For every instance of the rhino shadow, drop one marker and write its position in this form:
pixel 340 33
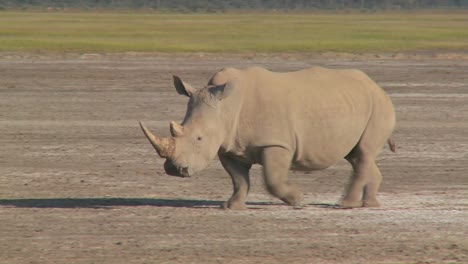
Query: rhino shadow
pixel 106 203
pixel 102 203
pixel 99 203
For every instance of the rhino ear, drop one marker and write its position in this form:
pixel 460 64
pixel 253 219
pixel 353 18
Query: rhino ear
pixel 183 87
pixel 222 91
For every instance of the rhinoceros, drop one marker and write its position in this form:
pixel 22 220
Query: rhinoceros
pixel 304 120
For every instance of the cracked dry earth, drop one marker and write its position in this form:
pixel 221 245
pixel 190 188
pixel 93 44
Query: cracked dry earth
pixel 80 184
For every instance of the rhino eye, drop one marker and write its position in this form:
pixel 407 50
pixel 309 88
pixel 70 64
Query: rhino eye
pixel 199 138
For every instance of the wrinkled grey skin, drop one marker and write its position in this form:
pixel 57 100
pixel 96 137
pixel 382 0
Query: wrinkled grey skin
pixel 305 120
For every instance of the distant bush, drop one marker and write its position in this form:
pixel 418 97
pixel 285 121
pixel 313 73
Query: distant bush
pixel 220 5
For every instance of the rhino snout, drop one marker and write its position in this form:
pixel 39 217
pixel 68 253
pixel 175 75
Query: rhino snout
pixel 173 170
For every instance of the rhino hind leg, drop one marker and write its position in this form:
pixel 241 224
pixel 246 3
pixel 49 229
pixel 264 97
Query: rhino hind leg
pixel 239 173
pixel 276 162
pixel 364 184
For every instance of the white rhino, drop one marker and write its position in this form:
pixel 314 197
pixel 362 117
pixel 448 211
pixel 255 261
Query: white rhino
pixel 304 120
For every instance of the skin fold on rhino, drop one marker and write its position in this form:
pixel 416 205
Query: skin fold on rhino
pixel 305 120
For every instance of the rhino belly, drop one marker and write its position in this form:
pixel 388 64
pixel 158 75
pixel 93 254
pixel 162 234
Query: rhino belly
pixel 321 148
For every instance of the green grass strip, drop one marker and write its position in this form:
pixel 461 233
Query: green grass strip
pixel 251 32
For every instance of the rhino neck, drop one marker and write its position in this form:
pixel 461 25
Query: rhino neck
pixel 231 110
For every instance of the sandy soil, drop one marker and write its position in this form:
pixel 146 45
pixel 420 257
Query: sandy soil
pixel 80 184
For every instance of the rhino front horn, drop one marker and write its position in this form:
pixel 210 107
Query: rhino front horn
pixel 163 146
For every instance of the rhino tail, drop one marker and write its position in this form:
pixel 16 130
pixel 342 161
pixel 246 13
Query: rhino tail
pixel 392 145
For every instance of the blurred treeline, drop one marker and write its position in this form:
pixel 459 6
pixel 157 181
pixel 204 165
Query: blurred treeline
pixel 224 5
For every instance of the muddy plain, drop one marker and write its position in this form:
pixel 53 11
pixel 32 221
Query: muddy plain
pixel 80 184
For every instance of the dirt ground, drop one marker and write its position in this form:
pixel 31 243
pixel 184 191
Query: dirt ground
pixel 79 182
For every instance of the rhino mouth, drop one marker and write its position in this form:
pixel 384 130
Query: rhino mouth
pixel 178 171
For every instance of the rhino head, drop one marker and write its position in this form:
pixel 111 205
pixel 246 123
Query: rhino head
pixel 197 140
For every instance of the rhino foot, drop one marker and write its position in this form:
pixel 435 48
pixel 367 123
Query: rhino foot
pixel 294 200
pixel 298 207
pixel 351 204
pixel 371 203
pixel 233 206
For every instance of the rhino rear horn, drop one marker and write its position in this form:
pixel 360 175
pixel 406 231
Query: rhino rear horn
pixel 163 146
pixel 176 129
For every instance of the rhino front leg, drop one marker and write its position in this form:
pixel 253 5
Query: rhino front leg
pixel 239 173
pixel 276 162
